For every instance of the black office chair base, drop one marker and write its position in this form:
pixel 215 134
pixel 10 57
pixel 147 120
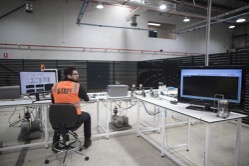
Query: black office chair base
pixel 67 149
pixel 64 120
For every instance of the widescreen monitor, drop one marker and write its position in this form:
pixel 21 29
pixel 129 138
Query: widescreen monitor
pixel 35 83
pixel 211 83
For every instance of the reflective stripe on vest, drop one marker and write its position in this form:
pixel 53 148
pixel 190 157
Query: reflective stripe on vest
pixel 77 105
pixel 55 87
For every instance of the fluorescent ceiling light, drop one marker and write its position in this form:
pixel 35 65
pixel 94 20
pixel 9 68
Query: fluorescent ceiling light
pixel 162 6
pixel 100 6
pixel 186 19
pixel 154 24
pixel 231 26
pixel 241 20
pixel 137 1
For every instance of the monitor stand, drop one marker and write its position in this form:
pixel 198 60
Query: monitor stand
pixel 37 97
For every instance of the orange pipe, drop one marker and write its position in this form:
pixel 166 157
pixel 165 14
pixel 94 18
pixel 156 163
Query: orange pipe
pixel 96 48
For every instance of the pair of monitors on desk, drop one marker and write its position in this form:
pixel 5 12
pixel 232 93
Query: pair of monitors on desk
pixel 12 93
pixel 31 83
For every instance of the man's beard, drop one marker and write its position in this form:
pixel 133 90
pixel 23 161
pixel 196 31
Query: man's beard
pixel 74 80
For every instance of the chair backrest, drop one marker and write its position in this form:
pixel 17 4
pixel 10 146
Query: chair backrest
pixel 63 115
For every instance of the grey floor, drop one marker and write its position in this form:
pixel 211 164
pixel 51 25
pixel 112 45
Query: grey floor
pixel 128 149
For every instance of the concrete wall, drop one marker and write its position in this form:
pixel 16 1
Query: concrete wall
pixel 53 23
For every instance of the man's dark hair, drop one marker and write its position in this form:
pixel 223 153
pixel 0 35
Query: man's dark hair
pixel 69 71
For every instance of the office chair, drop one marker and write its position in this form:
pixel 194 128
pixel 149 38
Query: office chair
pixel 63 118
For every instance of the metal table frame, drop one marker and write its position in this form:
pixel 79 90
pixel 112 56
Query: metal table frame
pixel 207 117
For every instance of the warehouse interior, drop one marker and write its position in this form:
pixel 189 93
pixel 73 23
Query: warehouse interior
pixel 130 42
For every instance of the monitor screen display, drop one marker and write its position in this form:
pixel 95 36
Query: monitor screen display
pixel 207 83
pixel 36 82
pixel 53 70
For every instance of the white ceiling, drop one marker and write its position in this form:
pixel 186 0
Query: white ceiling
pixel 221 11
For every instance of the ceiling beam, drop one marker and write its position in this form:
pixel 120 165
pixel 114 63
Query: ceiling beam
pixel 82 10
pixel 12 11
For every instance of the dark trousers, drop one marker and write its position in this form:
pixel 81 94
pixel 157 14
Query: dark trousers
pixel 85 118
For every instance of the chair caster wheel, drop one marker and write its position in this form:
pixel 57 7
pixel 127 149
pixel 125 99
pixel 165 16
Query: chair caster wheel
pixel 46 161
pixel 86 158
pixel 80 149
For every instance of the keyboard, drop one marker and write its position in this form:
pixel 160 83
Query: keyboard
pixel 195 107
pixel 201 108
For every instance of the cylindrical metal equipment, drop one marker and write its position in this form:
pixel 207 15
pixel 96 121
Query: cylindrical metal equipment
pixel 223 110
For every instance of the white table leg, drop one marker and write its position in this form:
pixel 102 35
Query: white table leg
pixel 163 131
pixel 45 113
pixel 154 117
pixel 98 112
pixel 188 139
pixel 107 119
pixel 158 119
pixel 138 117
pixel 238 136
pixel 206 144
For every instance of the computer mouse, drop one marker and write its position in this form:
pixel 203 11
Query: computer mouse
pixel 173 102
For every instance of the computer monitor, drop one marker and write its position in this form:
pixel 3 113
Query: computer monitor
pixel 211 83
pixel 35 83
pixel 53 70
pixel 10 92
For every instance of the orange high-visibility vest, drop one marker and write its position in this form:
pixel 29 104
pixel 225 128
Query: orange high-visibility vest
pixel 67 92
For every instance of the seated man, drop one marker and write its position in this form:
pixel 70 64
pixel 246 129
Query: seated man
pixel 70 91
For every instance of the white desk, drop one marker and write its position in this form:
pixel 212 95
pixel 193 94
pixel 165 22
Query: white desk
pixel 22 103
pixel 207 117
pixel 45 103
pixel 26 102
